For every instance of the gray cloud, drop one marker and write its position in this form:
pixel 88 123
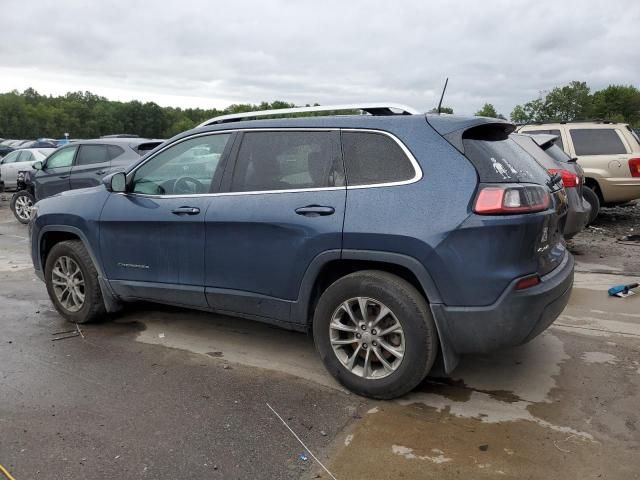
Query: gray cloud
pixel 197 51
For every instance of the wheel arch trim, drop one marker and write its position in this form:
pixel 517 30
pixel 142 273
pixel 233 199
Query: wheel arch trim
pixel 111 301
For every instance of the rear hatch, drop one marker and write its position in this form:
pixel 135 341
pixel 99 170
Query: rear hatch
pixel 532 201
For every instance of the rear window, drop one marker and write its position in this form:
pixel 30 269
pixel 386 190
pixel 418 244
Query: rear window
pixel 269 161
pixel 499 159
pixel 374 158
pixel 597 141
pixel 547 132
pixel 559 155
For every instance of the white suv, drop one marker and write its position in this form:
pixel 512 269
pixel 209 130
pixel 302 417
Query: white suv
pixel 608 152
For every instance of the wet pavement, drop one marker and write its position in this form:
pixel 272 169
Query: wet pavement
pixel 169 393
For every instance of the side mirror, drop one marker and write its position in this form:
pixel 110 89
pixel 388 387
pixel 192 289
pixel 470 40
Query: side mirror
pixel 39 165
pixel 116 182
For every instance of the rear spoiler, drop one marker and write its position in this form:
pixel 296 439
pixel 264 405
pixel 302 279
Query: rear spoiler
pixel 453 128
pixel 145 147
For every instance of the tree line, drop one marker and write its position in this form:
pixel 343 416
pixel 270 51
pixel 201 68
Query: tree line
pixel 572 102
pixel 30 115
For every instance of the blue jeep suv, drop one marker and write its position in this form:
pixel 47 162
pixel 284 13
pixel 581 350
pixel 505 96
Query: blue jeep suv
pixel 394 238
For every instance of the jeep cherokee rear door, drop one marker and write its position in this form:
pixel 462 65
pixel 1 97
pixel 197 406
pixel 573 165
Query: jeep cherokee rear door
pixel 284 205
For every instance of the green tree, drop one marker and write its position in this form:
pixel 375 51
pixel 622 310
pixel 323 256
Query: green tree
pixel 488 110
pixel 617 103
pixel 448 110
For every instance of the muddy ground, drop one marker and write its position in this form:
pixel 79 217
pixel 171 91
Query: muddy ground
pixel 605 240
pixel 165 393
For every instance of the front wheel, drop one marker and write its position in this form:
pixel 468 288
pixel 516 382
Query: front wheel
pixel 21 204
pixel 72 282
pixel 375 334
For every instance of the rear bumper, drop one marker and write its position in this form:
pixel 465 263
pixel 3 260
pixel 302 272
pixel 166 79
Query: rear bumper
pixel 619 190
pixel 515 318
pixel 577 215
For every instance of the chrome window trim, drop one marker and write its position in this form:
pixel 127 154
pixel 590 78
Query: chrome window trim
pixel 416 166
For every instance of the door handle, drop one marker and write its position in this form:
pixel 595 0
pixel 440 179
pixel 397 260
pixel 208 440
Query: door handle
pixel 100 172
pixel 63 176
pixel 315 210
pixel 186 211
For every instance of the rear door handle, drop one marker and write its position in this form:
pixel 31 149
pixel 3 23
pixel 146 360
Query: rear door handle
pixel 315 210
pixel 186 211
pixel 100 172
pixel 63 176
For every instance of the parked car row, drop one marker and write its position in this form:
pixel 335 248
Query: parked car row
pixel 79 164
pixel 609 154
pixel 397 239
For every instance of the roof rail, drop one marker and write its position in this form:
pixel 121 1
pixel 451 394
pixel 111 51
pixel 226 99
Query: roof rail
pixel 371 108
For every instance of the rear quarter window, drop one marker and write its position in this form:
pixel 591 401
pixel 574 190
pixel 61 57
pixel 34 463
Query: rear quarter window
pixel 597 141
pixel 374 158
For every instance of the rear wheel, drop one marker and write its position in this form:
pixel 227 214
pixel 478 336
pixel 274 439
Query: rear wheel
pixel 21 204
pixel 72 282
pixel 592 199
pixel 375 334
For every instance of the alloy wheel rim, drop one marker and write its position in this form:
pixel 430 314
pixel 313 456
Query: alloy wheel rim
pixel 367 338
pixel 23 207
pixel 68 283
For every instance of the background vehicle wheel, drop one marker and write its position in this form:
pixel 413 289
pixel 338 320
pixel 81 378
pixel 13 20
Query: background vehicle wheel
pixel 375 334
pixel 21 204
pixel 592 198
pixel 72 282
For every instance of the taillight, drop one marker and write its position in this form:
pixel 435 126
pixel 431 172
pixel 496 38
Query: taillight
pixel 569 179
pixel 508 199
pixel 634 166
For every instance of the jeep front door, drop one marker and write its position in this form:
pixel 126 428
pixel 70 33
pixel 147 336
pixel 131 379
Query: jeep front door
pixel 152 237
pixel 54 176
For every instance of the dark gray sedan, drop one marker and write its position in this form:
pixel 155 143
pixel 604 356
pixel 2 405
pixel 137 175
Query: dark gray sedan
pixel 544 149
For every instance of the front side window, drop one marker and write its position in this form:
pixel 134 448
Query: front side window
pixel 184 168
pixel 62 158
pixel 374 158
pixel 271 161
pixel 597 141
pixel 12 157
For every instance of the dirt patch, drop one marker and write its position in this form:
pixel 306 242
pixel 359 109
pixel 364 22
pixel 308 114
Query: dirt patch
pixel 601 243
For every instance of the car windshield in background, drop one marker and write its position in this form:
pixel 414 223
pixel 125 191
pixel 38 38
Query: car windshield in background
pixel 498 159
pixel 597 141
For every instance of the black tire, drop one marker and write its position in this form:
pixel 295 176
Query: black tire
pixel 592 199
pixel 411 311
pixel 28 198
pixel 93 307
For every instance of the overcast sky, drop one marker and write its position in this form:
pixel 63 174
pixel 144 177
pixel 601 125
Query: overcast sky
pixel 199 53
